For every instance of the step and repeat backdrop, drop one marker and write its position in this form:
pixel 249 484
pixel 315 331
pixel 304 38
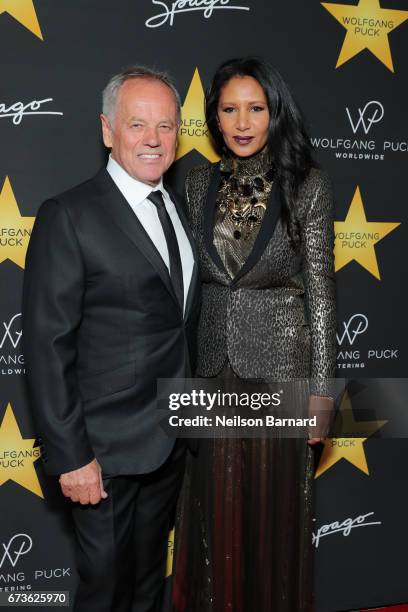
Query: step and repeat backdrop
pixel 347 65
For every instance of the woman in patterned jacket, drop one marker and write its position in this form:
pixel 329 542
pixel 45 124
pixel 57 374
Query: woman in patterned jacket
pixel 263 221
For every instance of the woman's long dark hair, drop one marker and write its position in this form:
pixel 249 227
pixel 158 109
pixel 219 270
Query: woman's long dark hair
pixel 288 139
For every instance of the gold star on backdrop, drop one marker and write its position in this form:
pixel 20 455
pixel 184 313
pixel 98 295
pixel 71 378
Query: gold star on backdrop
pixel 368 26
pixel 15 230
pixel 193 133
pixel 17 455
pixel 355 237
pixel 24 12
pixel 351 449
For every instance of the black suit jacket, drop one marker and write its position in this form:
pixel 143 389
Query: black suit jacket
pixel 101 323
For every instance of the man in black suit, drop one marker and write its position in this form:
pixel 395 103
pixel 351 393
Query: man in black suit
pixel 110 304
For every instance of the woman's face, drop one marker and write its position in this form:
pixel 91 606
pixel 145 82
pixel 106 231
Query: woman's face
pixel 243 116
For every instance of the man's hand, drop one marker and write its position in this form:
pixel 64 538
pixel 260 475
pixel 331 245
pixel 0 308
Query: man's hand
pixel 84 485
pixel 323 409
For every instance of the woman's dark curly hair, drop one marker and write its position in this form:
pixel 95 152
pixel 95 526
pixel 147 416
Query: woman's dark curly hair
pixel 288 140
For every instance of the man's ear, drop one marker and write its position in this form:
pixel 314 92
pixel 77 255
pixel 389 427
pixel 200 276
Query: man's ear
pixel 106 131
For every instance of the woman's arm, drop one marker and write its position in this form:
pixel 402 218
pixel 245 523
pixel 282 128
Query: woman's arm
pixel 318 268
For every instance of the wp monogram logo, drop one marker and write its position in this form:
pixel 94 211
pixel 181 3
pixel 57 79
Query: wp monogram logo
pixel 11 334
pixel 373 112
pixel 352 328
pixel 19 545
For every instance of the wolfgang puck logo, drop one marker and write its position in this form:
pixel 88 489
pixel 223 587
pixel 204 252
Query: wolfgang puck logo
pixel 11 357
pixel 17 455
pixel 15 229
pixel 362 143
pixel 14 575
pixel 356 237
pixel 167 11
pixel 351 355
pixel 345 448
pixel 193 133
pixel 11 551
pixel 372 112
pixel 12 333
pixel 367 26
pixel 356 325
pixel 16 111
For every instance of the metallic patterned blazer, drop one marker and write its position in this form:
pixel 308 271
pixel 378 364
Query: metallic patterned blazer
pixel 276 318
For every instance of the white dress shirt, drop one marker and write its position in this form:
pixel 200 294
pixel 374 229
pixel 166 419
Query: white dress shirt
pixel 136 192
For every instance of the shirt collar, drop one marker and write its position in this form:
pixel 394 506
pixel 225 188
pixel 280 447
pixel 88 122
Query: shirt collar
pixel 133 190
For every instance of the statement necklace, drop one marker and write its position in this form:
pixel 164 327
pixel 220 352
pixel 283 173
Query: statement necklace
pixel 244 192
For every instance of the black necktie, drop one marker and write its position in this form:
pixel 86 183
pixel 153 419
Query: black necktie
pixel 176 270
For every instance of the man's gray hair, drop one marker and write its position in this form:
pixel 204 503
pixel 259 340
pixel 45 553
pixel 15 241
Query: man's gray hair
pixel 110 93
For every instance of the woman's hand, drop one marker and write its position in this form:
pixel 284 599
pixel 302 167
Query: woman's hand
pixel 323 409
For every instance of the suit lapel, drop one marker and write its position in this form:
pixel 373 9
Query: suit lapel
pixel 209 218
pixel 123 216
pixel 265 233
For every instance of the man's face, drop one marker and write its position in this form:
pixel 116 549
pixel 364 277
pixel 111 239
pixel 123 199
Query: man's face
pixel 143 131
